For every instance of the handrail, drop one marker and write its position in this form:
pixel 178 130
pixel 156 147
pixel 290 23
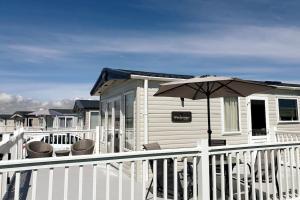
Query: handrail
pixel 236 148
pixel 39 163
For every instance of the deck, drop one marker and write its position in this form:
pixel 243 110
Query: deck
pixel 237 172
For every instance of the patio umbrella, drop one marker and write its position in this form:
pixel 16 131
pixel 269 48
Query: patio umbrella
pixel 210 87
pixel 46 113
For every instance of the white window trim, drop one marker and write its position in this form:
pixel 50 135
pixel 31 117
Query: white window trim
pixel 277 110
pixel 71 117
pixel 223 118
pixel 29 118
pixel 90 114
pixel 134 120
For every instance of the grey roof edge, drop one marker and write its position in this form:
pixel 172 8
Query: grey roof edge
pixel 86 104
pixel 123 74
pixel 108 74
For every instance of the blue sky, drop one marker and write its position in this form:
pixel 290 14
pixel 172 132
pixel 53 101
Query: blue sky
pixel 53 50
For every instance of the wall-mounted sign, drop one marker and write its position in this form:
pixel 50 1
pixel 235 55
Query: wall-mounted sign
pixel 181 117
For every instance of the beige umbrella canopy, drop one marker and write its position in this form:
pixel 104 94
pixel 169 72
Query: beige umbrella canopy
pixel 211 87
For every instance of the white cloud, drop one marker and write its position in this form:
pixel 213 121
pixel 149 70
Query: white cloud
pixel 253 41
pixel 276 43
pixel 11 103
pixel 5 98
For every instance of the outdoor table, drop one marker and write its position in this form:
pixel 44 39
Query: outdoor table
pixel 62 153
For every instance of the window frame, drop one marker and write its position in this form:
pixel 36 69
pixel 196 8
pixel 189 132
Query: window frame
pixel 279 121
pixel 90 115
pixel 223 119
pixel 134 120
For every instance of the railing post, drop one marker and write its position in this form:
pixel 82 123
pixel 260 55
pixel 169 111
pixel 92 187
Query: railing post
pixel 203 172
pixel 97 145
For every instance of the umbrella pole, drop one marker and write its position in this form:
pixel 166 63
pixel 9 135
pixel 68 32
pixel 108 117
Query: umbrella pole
pixel 208 120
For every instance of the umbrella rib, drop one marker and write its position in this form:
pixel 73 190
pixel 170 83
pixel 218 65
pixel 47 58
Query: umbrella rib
pixel 222 85
pixel 232 90
pixel 200 87
pixel 170 89
pixel 191 87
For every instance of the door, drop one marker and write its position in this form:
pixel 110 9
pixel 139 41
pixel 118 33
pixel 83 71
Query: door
pixel 109 127
pixel 113 125
pixel 258 120
pixel 117 110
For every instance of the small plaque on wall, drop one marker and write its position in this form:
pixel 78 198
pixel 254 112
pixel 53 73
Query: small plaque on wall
pixel 181 117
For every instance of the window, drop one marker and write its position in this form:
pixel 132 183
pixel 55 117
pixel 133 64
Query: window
pixel 288 109
pixel 62 122
pixel 129 121
pixel 30 122
pixel 231 114
pixel 69 122
pixel 102 114
pixel 94 120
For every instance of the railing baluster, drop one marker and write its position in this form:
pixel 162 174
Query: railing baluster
pixel 165 179
pixel 4 177
pixel 195 178
pixel 238 175
pixel 214 178
pixel 185 185
pixel 252 158
pixel 279 174
pixel 1 186
pixel 144 179
pixel 107 181
pixel 175 180
pixel 154 179
pixel 286 172
pixel 80 180
pixel 273 174
pixel 230 176
pixel 266 166
pixel 94 181
pixel 50 187
pixel 34 179
pixel 120 181
pixel 222 178
pixel 246 175
pixel 260 175
pixel 297 171
pixel 66 183
pixel 17 186
pixel 292 164
pixel 132 166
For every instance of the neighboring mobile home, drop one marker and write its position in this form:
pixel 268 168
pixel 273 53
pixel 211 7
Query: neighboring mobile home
pixel 132 116
pixel 67 120
pixel 6 123
pixel 88 113
pixel 24 119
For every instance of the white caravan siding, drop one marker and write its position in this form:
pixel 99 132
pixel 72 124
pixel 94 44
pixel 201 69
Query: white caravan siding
pixel 176 135
pixel 273 109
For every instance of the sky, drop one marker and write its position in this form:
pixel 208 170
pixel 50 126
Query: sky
pixel 52 52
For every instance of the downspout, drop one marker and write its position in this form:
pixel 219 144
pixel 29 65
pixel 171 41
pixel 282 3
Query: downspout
pixel 145 111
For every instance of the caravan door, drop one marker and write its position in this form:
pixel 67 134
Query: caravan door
pixel 258 119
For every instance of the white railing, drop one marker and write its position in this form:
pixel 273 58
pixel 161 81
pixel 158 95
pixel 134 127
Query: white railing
pixel 5 128
pixel 233 172
pixel 109 176
pixel 11 146
pixel 287 136
pixel 256 172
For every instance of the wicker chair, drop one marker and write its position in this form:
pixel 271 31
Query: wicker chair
pixel 83 147
pixel 38 149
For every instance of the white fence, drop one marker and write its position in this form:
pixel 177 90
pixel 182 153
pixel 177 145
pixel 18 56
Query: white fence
pixel 232 172
pixel 287 136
